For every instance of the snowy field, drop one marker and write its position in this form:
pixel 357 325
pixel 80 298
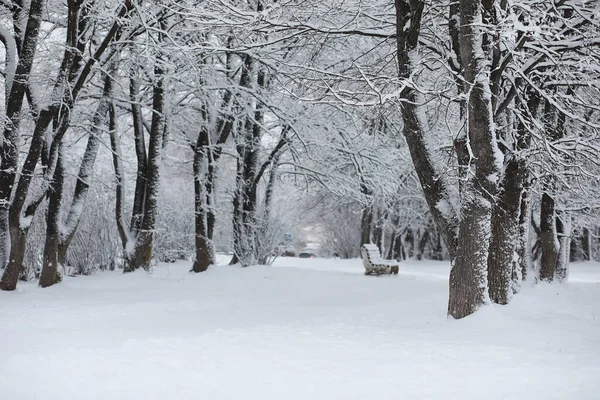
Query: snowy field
pixel 302 329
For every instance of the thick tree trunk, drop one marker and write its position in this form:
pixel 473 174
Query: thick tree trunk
pixel 10 277
pixel 505 231
pixel 468 278
pixel 468 281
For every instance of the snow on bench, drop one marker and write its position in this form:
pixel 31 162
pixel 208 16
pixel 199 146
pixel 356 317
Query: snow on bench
pixel 374 264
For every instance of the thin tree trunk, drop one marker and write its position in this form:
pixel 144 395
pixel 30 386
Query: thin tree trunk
pixel 586 245
pixel 204 251
pixel 115 147
pixel 365 225
pixel 86 169
pixel 563 229
pixel 423 240
pixel 548 240
pixel 140 152
pixel 141 254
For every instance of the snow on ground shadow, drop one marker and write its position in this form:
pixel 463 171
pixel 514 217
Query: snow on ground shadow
pixel 302 329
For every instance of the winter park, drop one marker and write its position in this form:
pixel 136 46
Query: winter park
pixel 300 199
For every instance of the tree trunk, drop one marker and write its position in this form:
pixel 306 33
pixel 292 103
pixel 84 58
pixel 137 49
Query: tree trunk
pixel 468 284
pixel 50 274
pixel 468 278
pixel 365 225
pixel 141 254
pixel 548 239
pixel 204 250
pixel 409 239
pixel 423 240
pixel 563 229
pixel 137 214
pixel 10 277
pixel 378 232
pixel 505 231
pixel 586 245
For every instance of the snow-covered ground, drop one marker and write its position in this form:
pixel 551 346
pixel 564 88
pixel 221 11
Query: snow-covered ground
pixel 302 329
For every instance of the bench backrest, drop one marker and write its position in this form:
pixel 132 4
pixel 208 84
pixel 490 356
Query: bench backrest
pixel 372 252
pixel 370 255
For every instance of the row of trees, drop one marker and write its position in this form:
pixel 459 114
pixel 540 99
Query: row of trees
pixel 461 129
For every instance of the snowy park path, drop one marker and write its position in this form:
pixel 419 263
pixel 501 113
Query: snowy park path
pixel 302 329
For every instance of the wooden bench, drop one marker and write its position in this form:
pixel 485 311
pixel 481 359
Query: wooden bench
pixel 374 264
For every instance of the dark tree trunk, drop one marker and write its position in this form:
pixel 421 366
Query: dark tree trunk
pixel 423 240
pixel 523 249
pixel 437 252
pixel 115 147
pixel 365 225
pixel 390 252
pixel 141 254
pixel 586 245
pixel 399 253
pixel 50 274
pixel 137 214
pixel 548 240
pixel 204 250
pixel 409 239
pixel 378 232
